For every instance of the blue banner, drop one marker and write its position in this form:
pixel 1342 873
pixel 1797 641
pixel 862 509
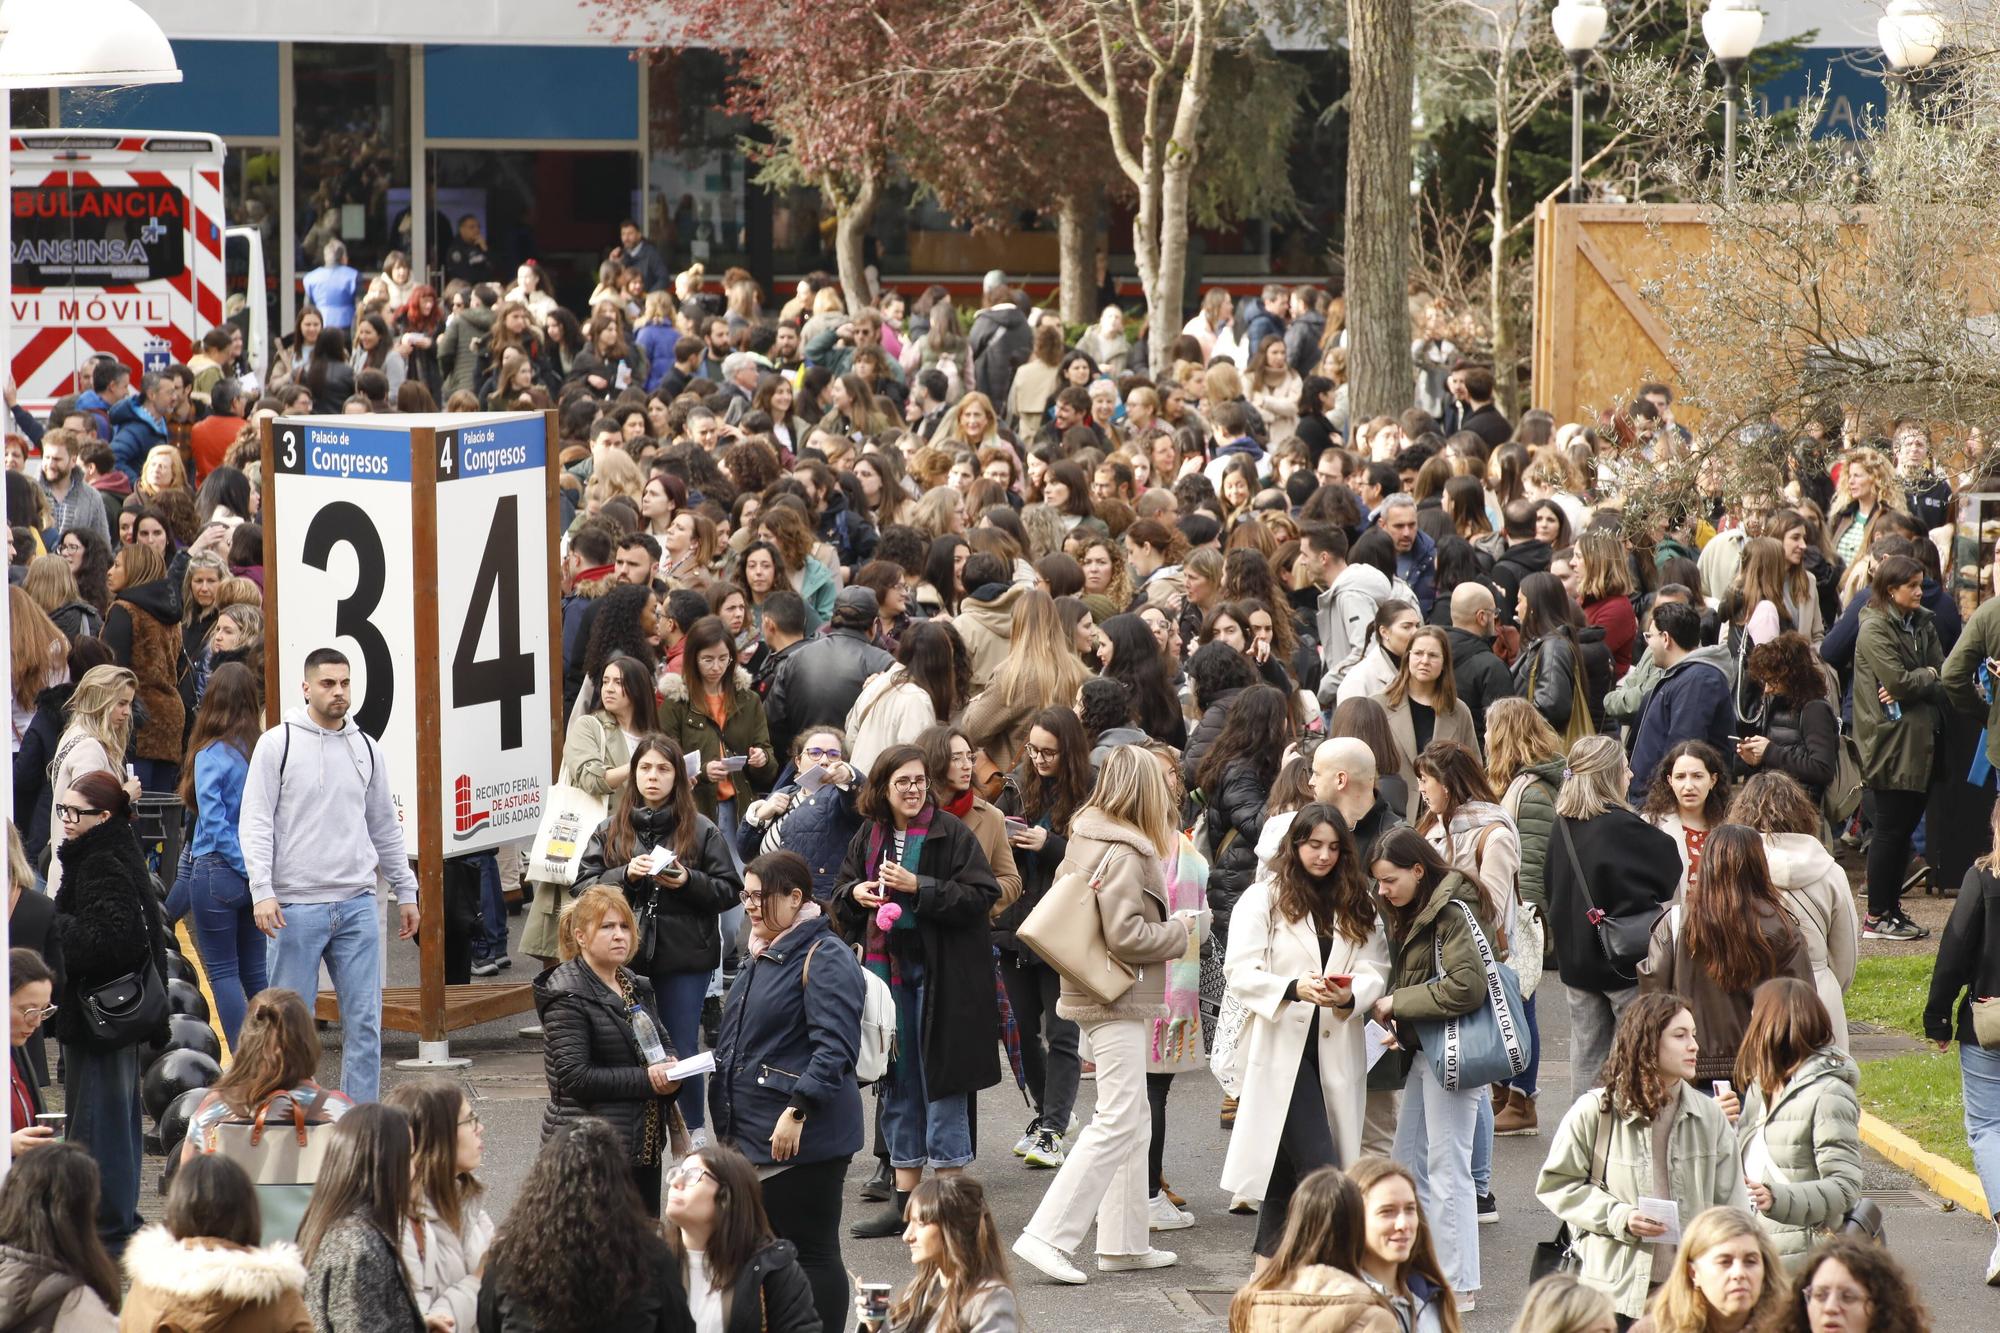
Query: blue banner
pixel 356 453
pixel 491 448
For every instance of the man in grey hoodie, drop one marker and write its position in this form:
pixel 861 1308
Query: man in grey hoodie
pixel 1348 601
pixel 318 827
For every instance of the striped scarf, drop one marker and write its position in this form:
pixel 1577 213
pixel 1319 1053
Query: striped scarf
pixel 1177 1037
pixel 875 954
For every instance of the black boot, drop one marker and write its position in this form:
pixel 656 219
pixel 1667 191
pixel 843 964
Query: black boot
pixel 887 1222
pixel 880 1185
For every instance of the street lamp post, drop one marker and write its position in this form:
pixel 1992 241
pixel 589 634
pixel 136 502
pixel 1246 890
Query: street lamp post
pixel 1579 26
pixel 61 44
pixel 1731 28
pixel 1911 33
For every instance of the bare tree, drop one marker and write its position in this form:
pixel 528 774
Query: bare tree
pixel 1381 42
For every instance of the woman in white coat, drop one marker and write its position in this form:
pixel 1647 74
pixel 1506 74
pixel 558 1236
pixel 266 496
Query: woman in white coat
pixel 1810 883
pixel 448 1232
pixel 1307 956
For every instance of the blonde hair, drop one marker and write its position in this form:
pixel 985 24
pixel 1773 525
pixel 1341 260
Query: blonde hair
pixel 1041 667
pixel 50 582
pixel 1223 383
pixel 1517 736
pixel 36 644
pixel 826 301
pixel 177 482
pixel 1131 789
pixel 1888 487
pixel 1679 1306
pixel 615 474
pixel 586 913
pixel 142 565
pixel 659 309
pixel 248 616
pixel 1605 572
pixel 238 591
pixel 1560 1303
pixel 1592 779
pixel 935 514
pixel 90 708
pixel 20 874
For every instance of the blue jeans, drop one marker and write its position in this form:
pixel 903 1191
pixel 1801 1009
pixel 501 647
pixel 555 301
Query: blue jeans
pixel 348 936
pixel 1434 1138
pixel 1528 1081
pixel 1980 1071
pixel 679 995
pixel 232 948
pixel 921 1132
pixel 1482 1145
pixel 490 940
pixel 102 1096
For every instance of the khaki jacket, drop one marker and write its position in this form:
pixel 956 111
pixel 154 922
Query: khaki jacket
pixel 212 1286
pixel 1132 907
pixel 1320 1299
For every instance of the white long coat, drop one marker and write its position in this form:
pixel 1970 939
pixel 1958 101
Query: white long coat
pixel 1266 953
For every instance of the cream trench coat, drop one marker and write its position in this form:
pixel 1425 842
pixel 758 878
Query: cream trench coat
pixel 1266 953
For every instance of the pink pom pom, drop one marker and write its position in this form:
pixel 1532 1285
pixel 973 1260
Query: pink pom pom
pixel 887 915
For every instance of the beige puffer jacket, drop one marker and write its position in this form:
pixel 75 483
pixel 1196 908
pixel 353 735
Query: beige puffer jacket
pixel 1132 905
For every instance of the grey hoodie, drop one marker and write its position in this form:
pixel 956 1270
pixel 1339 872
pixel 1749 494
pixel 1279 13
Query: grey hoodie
pixel 1346 608
pixel 318 824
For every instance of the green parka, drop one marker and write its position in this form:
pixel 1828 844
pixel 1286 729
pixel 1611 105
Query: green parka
pixel 1417 989
pixel 1900 654
pixel 1979 641
pixel 745 727
pixel 1812 1133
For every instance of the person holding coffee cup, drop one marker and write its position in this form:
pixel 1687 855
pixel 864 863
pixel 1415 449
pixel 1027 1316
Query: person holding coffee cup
pixel 28 1004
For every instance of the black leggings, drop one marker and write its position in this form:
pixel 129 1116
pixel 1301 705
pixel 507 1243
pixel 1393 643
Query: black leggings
pixel 1157 1088
pixel 1896 817
pixel 1305 1145
pixel 803 1203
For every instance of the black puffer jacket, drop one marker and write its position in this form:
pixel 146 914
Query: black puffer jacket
pixel 1235 805
pixel 1205 731
pixel 590 1056
pixel 1805 742
pixel 107 920
pixel 32 798
pixel 678 930
pixel 771 1294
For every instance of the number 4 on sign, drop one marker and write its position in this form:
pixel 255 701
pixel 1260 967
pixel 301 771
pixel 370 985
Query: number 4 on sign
pixel 508 677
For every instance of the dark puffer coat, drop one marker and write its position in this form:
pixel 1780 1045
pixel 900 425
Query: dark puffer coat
pixel 589 1053
pixel 107 919
pixel 1236 804
pixel 684 930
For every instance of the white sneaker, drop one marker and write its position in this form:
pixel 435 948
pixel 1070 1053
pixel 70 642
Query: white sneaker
pixel 1161 1215
pixel 1129 1263
pixel 1025 1142
pixel 1048 1260
pixel 1465 1304
pixel 1993 1265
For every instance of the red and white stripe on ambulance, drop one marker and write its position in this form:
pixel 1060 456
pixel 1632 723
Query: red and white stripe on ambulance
pixel 117 248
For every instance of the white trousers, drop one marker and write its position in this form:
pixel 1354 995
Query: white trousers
pixel 1103 1173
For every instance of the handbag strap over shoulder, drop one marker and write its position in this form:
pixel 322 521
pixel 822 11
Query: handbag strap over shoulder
pixel 1600 1152
pixel 1576 865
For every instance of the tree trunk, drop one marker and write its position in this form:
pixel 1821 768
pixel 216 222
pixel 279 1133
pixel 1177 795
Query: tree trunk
pixel 1175 159
pixel 1500 318
pixel 1381 37
pixel 1077 239
pixel 850 234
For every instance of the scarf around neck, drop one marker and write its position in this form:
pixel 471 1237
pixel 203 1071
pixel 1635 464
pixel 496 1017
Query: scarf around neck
pixel 876 955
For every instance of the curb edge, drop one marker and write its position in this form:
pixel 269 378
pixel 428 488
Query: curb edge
pixel 1944 1178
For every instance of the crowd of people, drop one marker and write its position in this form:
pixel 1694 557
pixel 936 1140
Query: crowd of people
pixel 882 630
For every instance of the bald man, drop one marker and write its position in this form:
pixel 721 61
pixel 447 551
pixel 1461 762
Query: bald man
pixel 1343 776
pixel 1477 672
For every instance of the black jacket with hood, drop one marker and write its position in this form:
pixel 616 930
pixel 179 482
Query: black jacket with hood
pixel 1000 342
pixel 678 928
pixel 590 1055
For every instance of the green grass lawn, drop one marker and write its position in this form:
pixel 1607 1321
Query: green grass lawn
pixel 1918 1093
pixel 1890 993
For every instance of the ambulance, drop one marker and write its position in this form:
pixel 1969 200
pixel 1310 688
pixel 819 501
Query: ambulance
pixel 119 246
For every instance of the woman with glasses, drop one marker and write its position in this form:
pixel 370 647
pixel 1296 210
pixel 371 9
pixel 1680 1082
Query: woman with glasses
pixel 1851 1286
pixel 108 926
pixel 674 869
pixel 817 824
pixel 30 1004
pixel 448 1229
pixel 739 1275
pixel 784 1093
pixel 934 951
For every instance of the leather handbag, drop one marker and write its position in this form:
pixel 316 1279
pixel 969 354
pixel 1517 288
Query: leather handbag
pixel 1625 940
pixel 1864 1221
pixel 1066 930
pixel 1559 1255
pixel 125 1010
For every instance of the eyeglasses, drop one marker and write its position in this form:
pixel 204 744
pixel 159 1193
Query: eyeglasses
pixel 70 814
pixel 909 784
pixel 688 1174
pixel 1837 1297
pixel 471 1120
pixel 30 1014
pixel 1042 751
pixel 815 752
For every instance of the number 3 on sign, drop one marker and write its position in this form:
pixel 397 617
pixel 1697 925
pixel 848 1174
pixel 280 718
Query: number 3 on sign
pixel 508 677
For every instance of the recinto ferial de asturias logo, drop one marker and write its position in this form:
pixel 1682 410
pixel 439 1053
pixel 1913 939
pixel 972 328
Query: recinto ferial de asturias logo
pixel 466 821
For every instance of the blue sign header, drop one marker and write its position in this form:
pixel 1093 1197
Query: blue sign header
pixel 354 453
pixel 491 448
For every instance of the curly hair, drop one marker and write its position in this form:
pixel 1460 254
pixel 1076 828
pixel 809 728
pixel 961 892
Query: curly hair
pixel 1341 903
pixel 1773 802
pixel 1633 1083
pixel 1660 798
pixel 619 631
pixel 1787 668
pixel 1890 1292
pixel 578 1242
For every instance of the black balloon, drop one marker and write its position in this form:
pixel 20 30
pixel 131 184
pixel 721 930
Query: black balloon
pixel 188 1033
pixel 167 1172
pixel 180 969
pixel 184 997
pixel 173 1074
pixel 174 1124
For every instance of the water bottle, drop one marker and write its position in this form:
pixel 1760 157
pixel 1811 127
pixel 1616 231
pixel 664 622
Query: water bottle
pixel 648 1034
pixel 1894 710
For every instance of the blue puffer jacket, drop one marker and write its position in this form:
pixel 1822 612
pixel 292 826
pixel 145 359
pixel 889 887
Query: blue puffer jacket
pixel 134 433
pixel 817 827
pixel 789 1037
